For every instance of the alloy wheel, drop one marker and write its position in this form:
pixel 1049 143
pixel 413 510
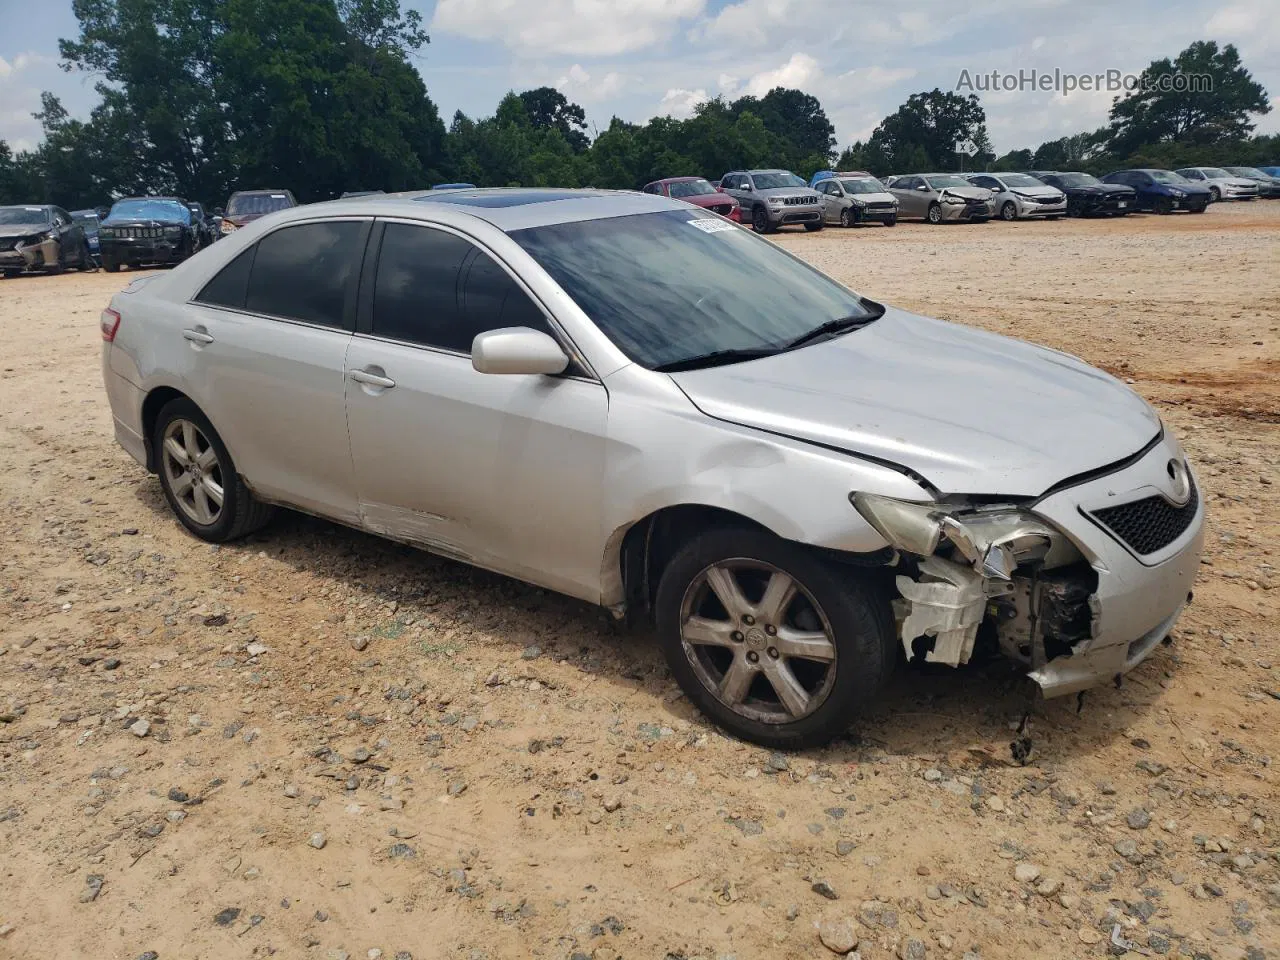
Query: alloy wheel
pixel 759 220
pixel 935 213
pixel 1008 211
pixel 845 220
pixel 758 641
pixel 193 472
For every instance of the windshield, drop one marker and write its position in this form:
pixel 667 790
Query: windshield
pixel 771 181
pixel 690 188
pixel 248 204
pixel 862 185
pixel 1078 179
pixel 1167 176
pixel 90 224
pixel 669 286
pixel 14 216
pixel 1251 172
pixel 948 180
pixel 150 210
pixel 1215 173
pixel 1019 180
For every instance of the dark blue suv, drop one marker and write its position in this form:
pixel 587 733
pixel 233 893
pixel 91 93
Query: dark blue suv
pixel 1162 191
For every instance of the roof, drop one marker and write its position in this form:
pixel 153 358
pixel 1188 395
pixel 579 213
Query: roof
pixel 677 179
pixel 507 208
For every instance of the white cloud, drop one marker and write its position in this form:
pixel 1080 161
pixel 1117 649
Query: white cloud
pixel 596 28
pixel 19 99
pixel 863 80
pixel 579 86
pixel 679 103
pixel 801 72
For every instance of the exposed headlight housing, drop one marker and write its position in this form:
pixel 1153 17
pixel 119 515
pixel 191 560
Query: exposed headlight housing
pixel 994 540
pixel 227 226
pixel 952 198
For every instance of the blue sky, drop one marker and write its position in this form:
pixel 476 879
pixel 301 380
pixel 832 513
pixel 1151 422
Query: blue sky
pixel 639 58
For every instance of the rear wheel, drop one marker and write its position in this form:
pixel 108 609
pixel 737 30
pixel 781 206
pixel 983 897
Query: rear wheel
pixel 1009 211
pixel 935 213
pixel 198 477
pixel 768 640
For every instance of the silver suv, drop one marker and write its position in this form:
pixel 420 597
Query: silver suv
pixel 773 198
pixel 639 404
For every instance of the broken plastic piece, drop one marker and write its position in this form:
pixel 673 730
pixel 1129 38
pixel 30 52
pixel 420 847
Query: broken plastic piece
pixel 948 605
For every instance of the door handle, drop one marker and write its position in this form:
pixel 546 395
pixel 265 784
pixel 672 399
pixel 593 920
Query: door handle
pixel 371 379
pixel 197 335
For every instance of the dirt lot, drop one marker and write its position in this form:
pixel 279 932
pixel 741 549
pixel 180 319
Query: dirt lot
pixel 499 773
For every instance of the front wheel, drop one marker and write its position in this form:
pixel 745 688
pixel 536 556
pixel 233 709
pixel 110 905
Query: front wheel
pixel 198 477
pixel 891 222
pixel 1009 211
pixel 768 640
pixel 760 220
pixel 1214 195
pixel 846 217
pixel 935 213
pixel 814 227
pixel 1164 206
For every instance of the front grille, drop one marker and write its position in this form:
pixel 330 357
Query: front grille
pixel 797 201
pixel 1150 524
pixel 881 205
pixel 8 244
pixel 724 209
pixel 134 233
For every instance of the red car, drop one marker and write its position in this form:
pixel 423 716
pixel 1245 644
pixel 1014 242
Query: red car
pixel 699 192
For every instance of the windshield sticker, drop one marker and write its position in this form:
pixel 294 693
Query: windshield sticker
pixel 277 196
pixel 707 225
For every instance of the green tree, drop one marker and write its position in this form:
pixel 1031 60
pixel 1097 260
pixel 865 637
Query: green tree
pixel 1167 106
pixel 548 108
pixel 926 128
pixel 1013 160
pixel 798 122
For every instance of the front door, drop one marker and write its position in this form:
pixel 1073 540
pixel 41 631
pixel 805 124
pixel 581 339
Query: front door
pixel 501 471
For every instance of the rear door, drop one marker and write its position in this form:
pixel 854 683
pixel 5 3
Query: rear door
pixel 501 471
pixel 266 343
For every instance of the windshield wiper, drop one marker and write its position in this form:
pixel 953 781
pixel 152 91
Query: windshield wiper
pixel 838 325
pixel 716 358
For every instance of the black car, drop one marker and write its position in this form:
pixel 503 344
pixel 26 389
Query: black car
pixel 1163 191
pixel 207 226
pixel 41 237
pixel 1088 196
pixel 142 230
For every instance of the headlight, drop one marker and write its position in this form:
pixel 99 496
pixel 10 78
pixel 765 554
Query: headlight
pixel 228 226
pixel 775 201
pixel 173 231
pixel 39 237
pixel 858 203
pixel 952 199
pixel 994 539
pixel 1179 194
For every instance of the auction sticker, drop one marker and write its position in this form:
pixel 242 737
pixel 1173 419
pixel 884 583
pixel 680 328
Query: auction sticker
pixel 707 225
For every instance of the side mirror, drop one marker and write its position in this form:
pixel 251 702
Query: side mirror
pixel 519 350
pixel 923 186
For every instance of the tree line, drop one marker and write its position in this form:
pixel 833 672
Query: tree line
pixel 202 97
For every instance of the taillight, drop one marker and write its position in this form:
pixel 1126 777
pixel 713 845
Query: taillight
pixel 110 323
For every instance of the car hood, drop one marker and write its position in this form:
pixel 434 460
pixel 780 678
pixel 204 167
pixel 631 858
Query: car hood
pixel 23 229
pixel 969 193
pixel 1047 192
pixel 879 197
pixel 139 222
pixel 971 412
pixel 710 200
pixel 1100 189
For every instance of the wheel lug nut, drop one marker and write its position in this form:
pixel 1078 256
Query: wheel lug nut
pixel 771 630
pixel 773 652
pixel 748 620
pixel 737 636
pixel 753 657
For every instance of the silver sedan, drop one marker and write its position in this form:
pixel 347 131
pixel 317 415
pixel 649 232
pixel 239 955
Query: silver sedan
pixel 649 408
pixel 1019 196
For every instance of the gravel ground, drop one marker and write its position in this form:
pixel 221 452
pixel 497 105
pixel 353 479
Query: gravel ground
pixel 319 744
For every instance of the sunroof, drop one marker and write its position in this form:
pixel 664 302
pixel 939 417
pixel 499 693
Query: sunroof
pixel 504 198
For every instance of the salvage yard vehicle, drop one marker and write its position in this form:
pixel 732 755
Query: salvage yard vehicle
pixel 851 201
pixel 88 220
pixel 699 192
pixel 942 198
pixel 41 237
pixel 1088 196
pixel 1222 185
pixel 1019 196
pixel 773 466
pixel 246 206
pixel 1162 191
pixel 773 198
pixel 1268 186
pixel 148 230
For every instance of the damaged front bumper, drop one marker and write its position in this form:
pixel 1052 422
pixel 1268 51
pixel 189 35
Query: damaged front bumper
pixel 1078 586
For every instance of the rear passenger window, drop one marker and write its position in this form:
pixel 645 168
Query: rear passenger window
pixel 306 272
pixel 229 285
pixel 439 290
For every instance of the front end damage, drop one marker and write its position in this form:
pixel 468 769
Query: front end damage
pixel 989 576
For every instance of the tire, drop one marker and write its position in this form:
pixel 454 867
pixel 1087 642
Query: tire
pixel 934 215
pixel 239 513
pixel 110 266
pixel 838 613
pixel 760 220
pixel 1163 206
pixel 1009 211
pixel 1214 195
pixel 891 222
pixel 1197 209
pixel 846 218
pixel 1054 216
pixel 814 227
pixel 86 258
